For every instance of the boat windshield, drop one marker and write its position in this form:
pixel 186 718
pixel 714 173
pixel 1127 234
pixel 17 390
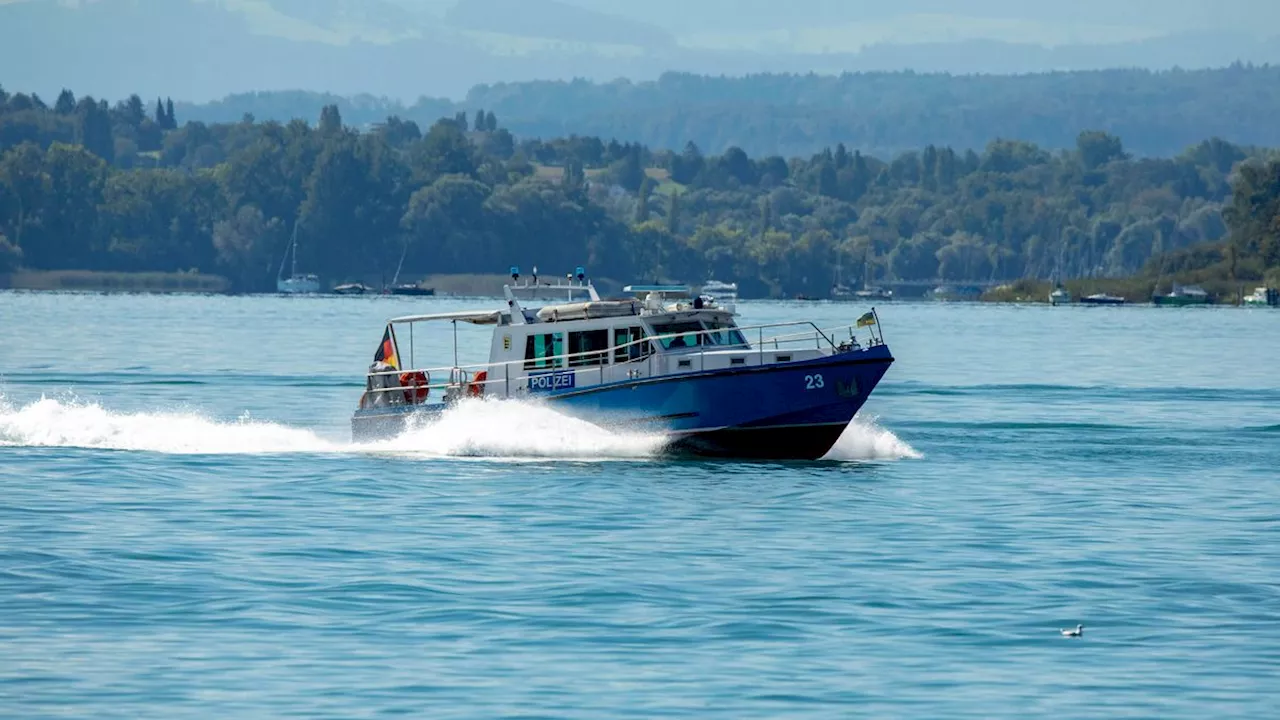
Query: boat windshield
pixel 726 334
pixel 697 333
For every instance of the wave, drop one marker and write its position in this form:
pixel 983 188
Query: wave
pixel 866 440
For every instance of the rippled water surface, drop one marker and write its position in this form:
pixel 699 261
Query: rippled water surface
pixel 187 531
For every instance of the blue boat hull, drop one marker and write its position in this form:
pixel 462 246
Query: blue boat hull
pixel 794 410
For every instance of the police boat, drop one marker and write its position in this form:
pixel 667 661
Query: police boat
pixel 661 359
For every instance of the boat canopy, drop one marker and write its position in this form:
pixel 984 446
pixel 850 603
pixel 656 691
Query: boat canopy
pixel 662 290
pixel 475 317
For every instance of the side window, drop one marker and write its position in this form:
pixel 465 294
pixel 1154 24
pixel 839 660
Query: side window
pixel 622 337
pixel 538 349
pixel 589 348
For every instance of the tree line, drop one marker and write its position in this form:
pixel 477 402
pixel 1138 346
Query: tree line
pixel 1158 113
pixel 84 185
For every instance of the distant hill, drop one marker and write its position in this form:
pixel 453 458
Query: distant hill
pixel 553 20
pixel 1158 113
pixel 204 49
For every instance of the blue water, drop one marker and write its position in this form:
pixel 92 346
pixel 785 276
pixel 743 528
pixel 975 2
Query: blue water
pixel 186 530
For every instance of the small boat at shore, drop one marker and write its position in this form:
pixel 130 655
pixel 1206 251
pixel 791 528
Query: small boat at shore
pixel 1183 295
pixel 1059 296
pixel 352 289
pixel 873 294
pixel 297 283
pixel 661 358
pixel 1263 297
pixel 722 292
pixel 411 289
pixel 1102 299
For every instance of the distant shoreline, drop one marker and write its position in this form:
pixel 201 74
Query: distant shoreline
pixel 1136 290
pixel 102 281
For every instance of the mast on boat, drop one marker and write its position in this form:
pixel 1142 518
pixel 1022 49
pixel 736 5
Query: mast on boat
pixel 291 250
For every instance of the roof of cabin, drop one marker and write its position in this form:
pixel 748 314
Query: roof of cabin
pixel 476 317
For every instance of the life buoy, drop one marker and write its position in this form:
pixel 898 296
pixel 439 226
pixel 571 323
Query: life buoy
pixel 476 387
pixel 417 383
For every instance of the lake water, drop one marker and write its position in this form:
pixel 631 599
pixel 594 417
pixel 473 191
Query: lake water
pixel 187 531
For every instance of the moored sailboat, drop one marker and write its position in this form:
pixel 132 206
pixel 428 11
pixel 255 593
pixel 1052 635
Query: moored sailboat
pixel 295 284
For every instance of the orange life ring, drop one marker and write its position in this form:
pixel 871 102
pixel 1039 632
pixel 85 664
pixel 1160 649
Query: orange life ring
pixel 476 387
pixel 417 383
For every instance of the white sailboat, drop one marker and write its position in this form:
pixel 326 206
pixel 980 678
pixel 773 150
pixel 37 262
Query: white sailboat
pixel 295 284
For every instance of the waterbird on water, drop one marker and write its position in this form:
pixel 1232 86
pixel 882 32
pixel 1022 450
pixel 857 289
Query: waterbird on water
pixel 1073 633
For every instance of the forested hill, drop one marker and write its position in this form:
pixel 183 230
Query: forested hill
pixel 1159 114
pixel 85 184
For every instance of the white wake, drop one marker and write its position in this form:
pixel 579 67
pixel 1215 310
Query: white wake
pixel 478 428
pixel 474 428
pixel 515 429
pixel 55 423
pixel 866 440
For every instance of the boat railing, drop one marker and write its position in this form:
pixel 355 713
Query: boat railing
pixel 403 386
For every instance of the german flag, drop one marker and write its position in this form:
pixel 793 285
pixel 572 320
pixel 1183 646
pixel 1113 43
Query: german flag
pixel 867 319
pixel 387 351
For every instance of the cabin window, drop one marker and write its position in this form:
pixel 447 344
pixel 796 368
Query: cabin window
pixel 725 334
pixel 541 352
pixel 679 334
pixel 589 348
pixel 624 351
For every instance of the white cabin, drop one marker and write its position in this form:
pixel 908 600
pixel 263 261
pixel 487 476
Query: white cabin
pixel 660 332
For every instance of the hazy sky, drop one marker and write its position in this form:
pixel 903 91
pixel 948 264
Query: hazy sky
pixel 406 48
pixel 814 25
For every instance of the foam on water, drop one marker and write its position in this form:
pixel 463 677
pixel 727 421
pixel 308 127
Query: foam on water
pixel 480 428
pixel 474 428
pixel 55 423
pixel 516 429
pixel 866 440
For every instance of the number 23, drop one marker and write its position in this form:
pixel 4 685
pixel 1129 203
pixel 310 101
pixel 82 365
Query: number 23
pixel 813 382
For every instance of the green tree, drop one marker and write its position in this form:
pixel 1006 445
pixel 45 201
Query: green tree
pixel 627 171
pixel 132 111
pixel 642 201
pixel 66 103
pixel 93 129
pixel 444 151
pixel 69 219
pixel 330 120
pixel 22 174
pixel 1097 148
